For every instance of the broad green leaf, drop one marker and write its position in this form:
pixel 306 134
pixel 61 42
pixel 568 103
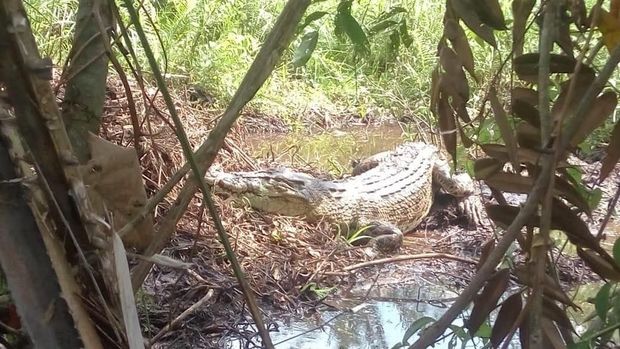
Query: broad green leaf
pixel 405 38
pixel 391 13
pixel 416 326
pixel 381 26
pixel 616 251
pixel 579 345
pixel 314 16
pixel 355 33
pixel 601 301
pixel 305 49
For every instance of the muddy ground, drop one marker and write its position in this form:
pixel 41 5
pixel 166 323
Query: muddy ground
pixel 287 261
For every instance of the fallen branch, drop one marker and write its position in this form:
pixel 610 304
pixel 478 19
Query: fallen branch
pixel 409 257
pixel 181 317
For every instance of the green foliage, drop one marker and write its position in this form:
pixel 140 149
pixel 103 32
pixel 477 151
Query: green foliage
pixel 604 329
pixel 377 61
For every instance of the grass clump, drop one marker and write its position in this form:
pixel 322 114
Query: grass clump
pixel 212 43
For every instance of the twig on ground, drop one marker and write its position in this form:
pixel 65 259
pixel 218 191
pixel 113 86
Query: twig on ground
pixel 182 316
pixel 407 258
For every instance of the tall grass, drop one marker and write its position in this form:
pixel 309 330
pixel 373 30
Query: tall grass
pixel 212 43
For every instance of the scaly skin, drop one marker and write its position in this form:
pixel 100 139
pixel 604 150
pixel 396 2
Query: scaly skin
pixel 390 191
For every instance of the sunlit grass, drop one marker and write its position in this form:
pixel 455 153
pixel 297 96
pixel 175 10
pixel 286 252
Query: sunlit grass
pixel 213 43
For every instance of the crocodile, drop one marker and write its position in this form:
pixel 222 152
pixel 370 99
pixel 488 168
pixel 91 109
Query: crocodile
pixel 389 193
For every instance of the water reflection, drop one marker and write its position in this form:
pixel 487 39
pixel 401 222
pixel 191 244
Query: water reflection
pixel 330 150
pixel 381 323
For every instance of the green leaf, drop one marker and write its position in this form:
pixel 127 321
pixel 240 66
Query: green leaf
pixel 579 345
pixel 594 198
pixel 354 32
pixel 616 251
pixel 405 38
pixel 305 49
pixel 381 26
pixel 416 326
pixel 394 44
pixel 311 18
pixel 484 331
pixel 601 301
pixel 391 13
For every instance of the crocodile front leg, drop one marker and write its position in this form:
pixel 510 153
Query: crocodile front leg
pixel 382 237
pixel 460 186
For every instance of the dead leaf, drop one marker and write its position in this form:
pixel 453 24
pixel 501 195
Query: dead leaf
pixel 578 13
pixel 506 318
pixel 609 26
pixel 486 167
pixel 453 82
pixel 599 265
pixel 552 338
pixel 526 66
pixel 503 215
pixel 526 112
pixel 551 288
pixel 528 136
pixel 562 36
pixel 113 179
pixel 486 301
pixel 126 297
pixel 527 95
pixel 456 35
pixel 505 128
pixel 524 332
pixel 553 312
pixel 601 109
pixel 576 230
pixel 612 154
pixel 466 10
pixel 486 249
pixel 467 142
pixel 521 10
pixel 524 155
pixel 490 13
pixel 579 84
pixel 447 125
pixel 510 182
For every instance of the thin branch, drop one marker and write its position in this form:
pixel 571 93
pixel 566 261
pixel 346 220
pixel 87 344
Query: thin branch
pixel 260 70
pixel 540 242
pixel 409 257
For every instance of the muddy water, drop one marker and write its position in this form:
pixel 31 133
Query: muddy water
pixel 330 151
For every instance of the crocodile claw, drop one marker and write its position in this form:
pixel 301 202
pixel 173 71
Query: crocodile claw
pixel 472 208
pixel 387 238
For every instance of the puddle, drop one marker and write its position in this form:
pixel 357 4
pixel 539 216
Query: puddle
pixel 379 322
pixel 330 151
